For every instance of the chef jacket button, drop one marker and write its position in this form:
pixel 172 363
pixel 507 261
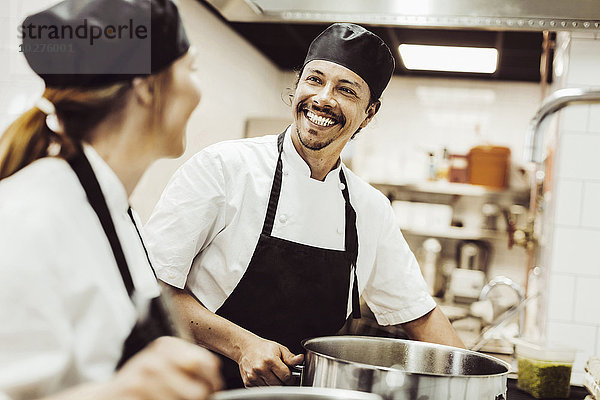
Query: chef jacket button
pixel 283 218
pixel 340 230
pixel 342 186
pixel 286 173
pixel 171 276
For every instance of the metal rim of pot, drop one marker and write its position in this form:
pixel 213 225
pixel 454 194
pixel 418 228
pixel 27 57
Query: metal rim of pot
pixel 315 393
pixel 376 367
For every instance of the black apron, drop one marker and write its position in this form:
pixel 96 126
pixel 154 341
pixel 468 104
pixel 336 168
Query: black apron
pixel 156 322
pixel 292 291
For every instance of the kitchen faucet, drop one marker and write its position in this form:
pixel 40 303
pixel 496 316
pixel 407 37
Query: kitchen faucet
pixel 508 315
pixel 503 280
pixel 553 103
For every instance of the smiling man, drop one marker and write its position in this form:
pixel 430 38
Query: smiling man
pixel 272 240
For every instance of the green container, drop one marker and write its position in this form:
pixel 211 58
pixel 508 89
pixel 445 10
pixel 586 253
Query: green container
pixel 544 371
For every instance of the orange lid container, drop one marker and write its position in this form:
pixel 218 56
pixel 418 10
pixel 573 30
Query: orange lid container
pixel 489 166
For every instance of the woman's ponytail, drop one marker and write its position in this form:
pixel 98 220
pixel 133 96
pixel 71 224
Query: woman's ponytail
pixel 23 142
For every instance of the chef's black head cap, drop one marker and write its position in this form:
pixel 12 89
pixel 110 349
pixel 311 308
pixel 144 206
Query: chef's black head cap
pixel 357 49
pixel 90 43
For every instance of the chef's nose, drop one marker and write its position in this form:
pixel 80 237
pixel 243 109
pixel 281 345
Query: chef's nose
pixel 324 96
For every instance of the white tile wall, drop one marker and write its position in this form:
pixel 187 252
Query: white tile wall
pixel 587 300
pixel 561 294
pixel 583 67
pixel 572 249
pixel 575 118
pixel 579 156
pixel 574 278
pixel 568 201
pixel 594 123
pixel 590 216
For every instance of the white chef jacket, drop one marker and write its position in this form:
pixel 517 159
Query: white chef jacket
pixel 64 310
pixel 205 227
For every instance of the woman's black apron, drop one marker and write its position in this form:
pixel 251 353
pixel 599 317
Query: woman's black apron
pixel 292 291
pixel 156 322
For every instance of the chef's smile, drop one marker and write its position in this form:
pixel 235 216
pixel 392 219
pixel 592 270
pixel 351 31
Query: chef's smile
pixel 323 121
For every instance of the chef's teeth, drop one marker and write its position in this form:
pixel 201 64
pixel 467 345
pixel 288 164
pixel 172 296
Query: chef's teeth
pixel 316 119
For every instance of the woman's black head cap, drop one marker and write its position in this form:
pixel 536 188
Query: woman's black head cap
pixel 90 43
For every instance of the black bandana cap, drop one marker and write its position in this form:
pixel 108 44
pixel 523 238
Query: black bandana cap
pixel 91 43
pixel 357 49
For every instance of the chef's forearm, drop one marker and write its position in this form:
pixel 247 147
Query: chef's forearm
pixel 207 328
pixel 433 327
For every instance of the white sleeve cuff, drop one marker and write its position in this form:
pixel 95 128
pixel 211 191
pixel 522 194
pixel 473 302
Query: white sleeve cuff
pixel 416 310
pixel 171 276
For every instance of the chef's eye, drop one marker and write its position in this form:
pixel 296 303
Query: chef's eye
pixel 348 91
pixel 313 78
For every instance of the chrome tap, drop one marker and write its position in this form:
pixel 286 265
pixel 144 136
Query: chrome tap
pixel 508 315
pixel 533 153
pixel 553 103
pixel 503 280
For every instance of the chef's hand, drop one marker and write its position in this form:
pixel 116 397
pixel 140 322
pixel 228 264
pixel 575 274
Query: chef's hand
pixel 264 362
pixel 168 369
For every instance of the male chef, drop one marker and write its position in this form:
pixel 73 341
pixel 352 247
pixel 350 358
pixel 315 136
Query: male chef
pixel 268 241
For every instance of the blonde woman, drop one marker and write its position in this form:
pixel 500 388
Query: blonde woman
pixel 80 311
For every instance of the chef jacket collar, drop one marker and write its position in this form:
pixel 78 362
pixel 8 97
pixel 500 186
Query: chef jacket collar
pixel 112 187
pixel 293 160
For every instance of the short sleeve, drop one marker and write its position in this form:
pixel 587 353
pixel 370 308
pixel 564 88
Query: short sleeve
pixel 396 291
pixel 189 214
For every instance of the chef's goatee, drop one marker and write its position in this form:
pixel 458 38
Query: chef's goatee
pixel 90 43
pixel 357 49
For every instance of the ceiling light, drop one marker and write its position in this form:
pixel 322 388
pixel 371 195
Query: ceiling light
pixel 449 58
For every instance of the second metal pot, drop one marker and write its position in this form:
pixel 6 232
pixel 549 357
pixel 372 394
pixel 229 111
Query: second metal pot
pixel 400 369
pixel 292 393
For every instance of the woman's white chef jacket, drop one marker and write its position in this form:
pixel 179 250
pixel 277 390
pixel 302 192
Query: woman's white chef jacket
pixel 206 224
pixel 64 310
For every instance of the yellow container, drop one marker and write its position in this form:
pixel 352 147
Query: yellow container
pixel 489 166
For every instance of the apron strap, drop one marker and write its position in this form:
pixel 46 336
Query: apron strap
pixel 351 244
pixel 130 212
pixel 275 190
pixel 80 164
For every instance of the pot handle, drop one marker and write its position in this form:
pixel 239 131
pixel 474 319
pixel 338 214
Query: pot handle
pixel 297 370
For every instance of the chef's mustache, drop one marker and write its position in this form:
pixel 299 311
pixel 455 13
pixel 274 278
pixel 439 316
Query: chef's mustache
pixel 303 105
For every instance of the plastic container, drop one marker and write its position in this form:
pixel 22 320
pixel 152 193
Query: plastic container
pixel 544 371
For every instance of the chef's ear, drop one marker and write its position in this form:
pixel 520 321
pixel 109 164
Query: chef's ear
pixel 371 111
pixel 142 90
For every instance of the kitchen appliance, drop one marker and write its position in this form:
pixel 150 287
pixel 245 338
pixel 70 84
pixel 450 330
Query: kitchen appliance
pixel 466 281
pixel 402 369
pixel 292 393
pixel 473 254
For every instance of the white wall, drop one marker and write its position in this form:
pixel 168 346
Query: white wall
pixel 573 313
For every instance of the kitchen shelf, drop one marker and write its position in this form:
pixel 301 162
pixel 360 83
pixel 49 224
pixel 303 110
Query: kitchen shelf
pixel 443 191
pixel 456 233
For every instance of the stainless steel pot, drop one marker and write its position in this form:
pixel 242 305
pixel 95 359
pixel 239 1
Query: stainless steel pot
pixel 403 369
pixel 293 393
